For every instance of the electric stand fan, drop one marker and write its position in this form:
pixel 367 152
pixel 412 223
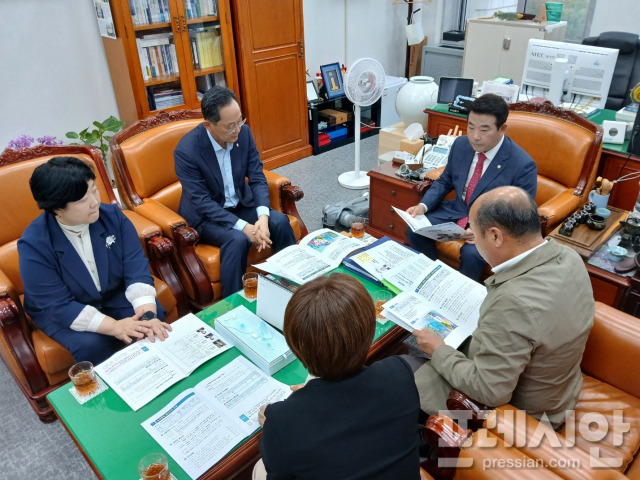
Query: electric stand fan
pixel 363 84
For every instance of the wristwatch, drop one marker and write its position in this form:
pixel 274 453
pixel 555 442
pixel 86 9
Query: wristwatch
pixel 148 315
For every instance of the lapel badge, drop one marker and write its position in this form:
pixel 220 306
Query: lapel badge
pixel 499 166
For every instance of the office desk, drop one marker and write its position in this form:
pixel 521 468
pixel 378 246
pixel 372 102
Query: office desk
pixel 614 161
pixel 108 432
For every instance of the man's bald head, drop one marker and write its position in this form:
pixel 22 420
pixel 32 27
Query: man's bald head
pixel 509 208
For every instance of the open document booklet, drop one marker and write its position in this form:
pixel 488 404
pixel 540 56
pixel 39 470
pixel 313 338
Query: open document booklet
pixel 421 225
pixel 316 254
pixel 373 261
pixel 202 424
pixel 143 370
pixel 434 297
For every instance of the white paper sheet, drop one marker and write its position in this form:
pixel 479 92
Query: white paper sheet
pixel 202 424
pixel 143 370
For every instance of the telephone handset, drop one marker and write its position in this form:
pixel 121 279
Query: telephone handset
pixel 436 156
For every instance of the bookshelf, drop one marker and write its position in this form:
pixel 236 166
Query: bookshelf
pixel 175 51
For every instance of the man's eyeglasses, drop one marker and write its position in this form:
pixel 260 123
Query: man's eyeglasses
pixel 234 126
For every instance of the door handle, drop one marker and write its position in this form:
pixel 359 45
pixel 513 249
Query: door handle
pixel 301 46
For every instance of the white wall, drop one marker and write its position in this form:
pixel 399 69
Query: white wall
pixel 345 30
pixel 616 16
pixel 53 76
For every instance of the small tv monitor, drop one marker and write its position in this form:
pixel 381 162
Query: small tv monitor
pixel 451 87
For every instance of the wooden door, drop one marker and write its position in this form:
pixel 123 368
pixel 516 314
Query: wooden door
pixel 269 40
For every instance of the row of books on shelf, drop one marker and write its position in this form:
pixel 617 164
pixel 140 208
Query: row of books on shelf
pixel 205 82
pixel 201 8
pixel 144 12
pixel 206 47
pixel 160 98
pixel 157 55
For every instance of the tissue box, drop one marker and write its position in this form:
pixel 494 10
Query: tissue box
pixel 411 147
pixel 390 138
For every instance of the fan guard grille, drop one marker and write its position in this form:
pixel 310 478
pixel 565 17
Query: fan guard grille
pixel 364 82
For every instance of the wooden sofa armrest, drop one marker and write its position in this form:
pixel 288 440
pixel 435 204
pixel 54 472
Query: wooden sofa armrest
pixel 613 348
pixel 461 402
pixel 16 336
pixel 164 217
pixel 283 197
pixel 145 229
pixel 556 209
pixel 445 437
pixel 160 251
pixel 197 280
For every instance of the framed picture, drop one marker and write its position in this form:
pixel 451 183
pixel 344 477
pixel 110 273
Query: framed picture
pixel 312 92
pixel 332 77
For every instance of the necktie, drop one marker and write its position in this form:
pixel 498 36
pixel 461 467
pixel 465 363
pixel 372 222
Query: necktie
pixel 475 178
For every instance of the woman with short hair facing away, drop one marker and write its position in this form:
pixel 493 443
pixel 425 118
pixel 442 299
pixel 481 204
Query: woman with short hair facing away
pixel 349 421
pixel 86 279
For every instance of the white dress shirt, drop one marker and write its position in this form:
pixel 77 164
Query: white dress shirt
pixel 90 318
pixel 230 198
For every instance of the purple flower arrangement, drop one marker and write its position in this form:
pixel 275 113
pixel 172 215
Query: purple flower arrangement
pixel 26 141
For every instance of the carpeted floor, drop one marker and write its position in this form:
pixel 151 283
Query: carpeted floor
pixel 37 451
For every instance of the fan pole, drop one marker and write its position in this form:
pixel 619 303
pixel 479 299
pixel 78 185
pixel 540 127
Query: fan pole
pixel 355 180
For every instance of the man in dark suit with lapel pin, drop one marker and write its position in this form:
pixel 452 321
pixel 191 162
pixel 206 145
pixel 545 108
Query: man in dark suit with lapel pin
pixel 480 161
pixel 225 195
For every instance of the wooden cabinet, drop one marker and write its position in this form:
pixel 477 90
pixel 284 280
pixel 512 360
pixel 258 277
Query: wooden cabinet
pixel 440 123
pixel 270 48
pixel 175 50
pixel 495 47
pixel 387 190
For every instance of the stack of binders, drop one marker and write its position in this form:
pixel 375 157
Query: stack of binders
pixel 256 339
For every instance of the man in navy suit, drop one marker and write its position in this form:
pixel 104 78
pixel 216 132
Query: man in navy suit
pixel 225 195
pixel 480 161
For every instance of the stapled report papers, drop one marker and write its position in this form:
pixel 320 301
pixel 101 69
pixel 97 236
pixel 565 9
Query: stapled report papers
pixel 439 299
pixel 143 370
pixel 316 254
pixel 202 424
pixel 421 225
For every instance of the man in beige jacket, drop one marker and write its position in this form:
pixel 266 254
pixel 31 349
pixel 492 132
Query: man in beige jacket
pixel 533 324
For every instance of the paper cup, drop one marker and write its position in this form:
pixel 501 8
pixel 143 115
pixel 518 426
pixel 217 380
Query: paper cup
pixel 554 11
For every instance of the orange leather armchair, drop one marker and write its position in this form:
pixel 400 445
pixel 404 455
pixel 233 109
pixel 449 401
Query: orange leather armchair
pixel 566 149
pixel 459 454
pixel 604 434
pixel 39 364
pixel 143 156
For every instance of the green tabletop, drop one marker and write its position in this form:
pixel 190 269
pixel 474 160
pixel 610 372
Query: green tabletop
pixel 444 108
pixel 110 433
pixel 599 117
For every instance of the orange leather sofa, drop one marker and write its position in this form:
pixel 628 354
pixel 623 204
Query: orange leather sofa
pixel 37 363
pixel 143 156
pixel 458 453
pixel 566 149
pixel 603 435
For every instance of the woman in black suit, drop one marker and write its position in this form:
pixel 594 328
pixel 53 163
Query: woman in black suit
pixel 349 421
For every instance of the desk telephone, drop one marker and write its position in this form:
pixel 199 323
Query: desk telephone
pixel 436 156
